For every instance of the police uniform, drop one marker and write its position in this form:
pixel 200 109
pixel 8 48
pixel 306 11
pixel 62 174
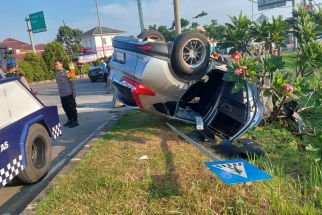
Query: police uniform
pixel 67 97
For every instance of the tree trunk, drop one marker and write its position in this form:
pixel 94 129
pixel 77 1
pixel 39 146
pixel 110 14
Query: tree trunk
pixel 279 109
pixel 267 101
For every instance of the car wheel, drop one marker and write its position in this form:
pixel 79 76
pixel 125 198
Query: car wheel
pixel 38 154
pixel 151 34
pixel 190 55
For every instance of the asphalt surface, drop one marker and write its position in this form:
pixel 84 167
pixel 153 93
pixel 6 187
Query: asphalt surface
pixel 95 112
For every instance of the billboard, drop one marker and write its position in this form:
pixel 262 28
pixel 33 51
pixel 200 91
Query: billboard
pixel 268 4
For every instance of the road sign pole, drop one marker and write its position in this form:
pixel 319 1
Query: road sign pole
pixel 177 16
pixel 30 34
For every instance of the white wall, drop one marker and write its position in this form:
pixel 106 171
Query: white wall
pixel 108 48
pixel 88 42
pixel 95 42
pixel 108 40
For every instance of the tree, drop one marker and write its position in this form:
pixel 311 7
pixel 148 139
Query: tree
pixel 194 25
pixel 214 21
pixel 70 38
pixel 215 31
pixel 168 33
pixel 271 33
pixel 304 84
pixel 309 57
pixel 53 51
pixel 307 27
pixel 184 24
pixel 34 68
pixel 237 34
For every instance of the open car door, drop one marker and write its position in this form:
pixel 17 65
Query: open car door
pixel 234 114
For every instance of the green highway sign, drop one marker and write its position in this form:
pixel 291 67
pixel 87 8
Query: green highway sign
pixel 37 21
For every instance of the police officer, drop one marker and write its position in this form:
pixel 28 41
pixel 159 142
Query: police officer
pixel 67 94
pixel 12 71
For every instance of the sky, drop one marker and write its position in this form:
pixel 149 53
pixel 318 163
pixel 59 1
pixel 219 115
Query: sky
pixel 118 14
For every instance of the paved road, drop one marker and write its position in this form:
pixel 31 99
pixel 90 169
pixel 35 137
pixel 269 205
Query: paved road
pixel 95 111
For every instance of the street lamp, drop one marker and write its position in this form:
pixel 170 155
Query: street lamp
pixel 99 24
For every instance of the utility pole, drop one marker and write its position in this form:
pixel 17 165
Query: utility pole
pixel 30 34
pixel 141 15
pixel 99 24
pixel 294 38
pixel 252 11
pixel 177 19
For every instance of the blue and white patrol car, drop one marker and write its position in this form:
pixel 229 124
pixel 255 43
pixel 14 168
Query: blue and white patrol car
pixel 26 129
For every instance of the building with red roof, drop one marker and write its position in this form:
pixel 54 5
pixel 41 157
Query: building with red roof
pixel 19 49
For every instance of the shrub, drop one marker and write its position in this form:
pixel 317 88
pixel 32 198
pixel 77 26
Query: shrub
pixel 300 84
pixel 97 62
pixel 34 68
pixel 85 68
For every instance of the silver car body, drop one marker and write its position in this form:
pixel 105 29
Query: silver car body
pixel 154 72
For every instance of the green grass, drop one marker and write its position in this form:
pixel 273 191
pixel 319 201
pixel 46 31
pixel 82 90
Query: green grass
pixel 111 180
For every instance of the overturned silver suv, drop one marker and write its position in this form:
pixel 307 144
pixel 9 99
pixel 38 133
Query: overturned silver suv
pixel 178 80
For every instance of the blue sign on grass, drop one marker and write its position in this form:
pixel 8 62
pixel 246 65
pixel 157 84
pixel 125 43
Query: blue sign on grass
pixel 237 171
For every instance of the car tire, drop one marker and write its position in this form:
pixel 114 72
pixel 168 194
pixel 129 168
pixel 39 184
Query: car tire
pixel 37 153
pixel 151 34
pixel 190 55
